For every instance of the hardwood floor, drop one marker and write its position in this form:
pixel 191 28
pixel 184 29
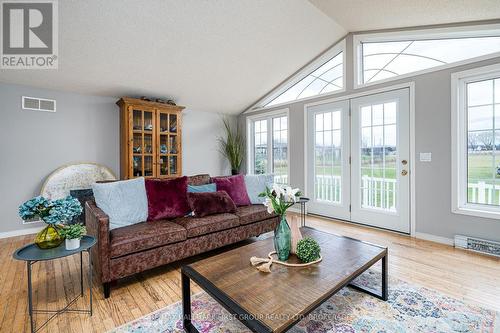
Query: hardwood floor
pixel 471 277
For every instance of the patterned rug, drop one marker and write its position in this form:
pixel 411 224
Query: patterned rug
pixel 410 308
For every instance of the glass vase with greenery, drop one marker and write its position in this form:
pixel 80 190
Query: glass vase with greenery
pixel 278 199
pixel 52 212
pixel 232 145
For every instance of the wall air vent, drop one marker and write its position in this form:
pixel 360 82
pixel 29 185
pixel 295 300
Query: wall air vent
pixel 478 245
pixel 39 104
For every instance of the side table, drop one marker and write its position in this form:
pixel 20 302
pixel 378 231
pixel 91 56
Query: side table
pixel 32 254
pixel 302 201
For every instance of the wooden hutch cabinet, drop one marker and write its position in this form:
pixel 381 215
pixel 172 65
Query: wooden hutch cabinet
pixel 150 139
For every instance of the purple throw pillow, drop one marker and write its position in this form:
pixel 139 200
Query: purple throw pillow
pixel 167 199
pixel 208 203
pixel 235 187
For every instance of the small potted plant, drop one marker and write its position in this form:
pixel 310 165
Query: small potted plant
pixel 73 234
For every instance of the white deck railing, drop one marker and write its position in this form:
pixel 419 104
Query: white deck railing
pixel 382 193
pixel 484 193
pixel 377 192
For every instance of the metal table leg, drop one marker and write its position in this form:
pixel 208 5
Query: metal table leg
pixel 54 313
pixel 186 304
pixel 90 280
pixel 30 297
pixel 384 292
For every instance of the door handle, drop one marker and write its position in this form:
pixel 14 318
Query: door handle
pixel 404 173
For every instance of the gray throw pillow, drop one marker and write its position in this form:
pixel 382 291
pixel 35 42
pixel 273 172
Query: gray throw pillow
pixel 125 202
pixel 256 184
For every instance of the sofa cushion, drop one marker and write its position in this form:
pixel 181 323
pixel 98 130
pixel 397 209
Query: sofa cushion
pixel 202 188
pixel 235 187
pixel 125 201
pixel 197 226
pixel 253 213
pixel 143 236
pixel 167 199
pixel 208 203
pixel 256 184
pixel 199 179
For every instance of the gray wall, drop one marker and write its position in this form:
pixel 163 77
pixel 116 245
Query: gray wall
pixel 84 128
pixel 200 148
pixel 433 134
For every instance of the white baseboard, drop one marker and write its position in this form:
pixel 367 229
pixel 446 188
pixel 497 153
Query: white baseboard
pixel 434 238
pixel 21 232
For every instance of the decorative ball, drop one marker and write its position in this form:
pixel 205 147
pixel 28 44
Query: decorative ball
pixel 308 250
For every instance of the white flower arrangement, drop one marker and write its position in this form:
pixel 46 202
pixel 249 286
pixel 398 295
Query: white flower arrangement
pixel 280 198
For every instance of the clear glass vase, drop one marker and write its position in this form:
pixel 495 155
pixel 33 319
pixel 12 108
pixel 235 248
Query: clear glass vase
pixel 49 237
pixel 283 239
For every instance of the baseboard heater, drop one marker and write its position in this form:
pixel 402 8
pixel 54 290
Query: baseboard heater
pixel 478 245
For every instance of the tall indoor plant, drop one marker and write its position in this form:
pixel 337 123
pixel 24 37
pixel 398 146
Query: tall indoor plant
pixel 232 145
pixel 278 200
pixel 52 212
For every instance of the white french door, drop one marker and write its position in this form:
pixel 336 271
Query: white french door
pixel 358 160
pixel 328 163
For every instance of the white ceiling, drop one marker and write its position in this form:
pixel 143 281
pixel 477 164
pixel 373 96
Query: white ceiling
pixel 360 15
pixel 216 56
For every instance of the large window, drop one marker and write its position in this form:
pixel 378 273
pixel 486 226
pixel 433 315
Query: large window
pixel 268 145
pixel 329 77
pixel 478 138
pixel 388 56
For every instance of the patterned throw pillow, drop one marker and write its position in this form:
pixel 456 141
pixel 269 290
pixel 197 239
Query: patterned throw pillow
pixel 256 184
pixel 208 203
pixel 125 202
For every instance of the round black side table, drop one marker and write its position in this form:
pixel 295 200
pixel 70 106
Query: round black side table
pixel 32 254
pixel 302 201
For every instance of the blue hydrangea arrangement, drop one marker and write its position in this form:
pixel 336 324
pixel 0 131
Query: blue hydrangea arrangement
pixel 50 211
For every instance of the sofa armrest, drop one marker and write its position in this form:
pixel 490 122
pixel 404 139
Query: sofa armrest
pixel 97 224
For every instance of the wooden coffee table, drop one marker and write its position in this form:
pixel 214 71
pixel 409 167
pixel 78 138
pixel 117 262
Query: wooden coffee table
pixel 274 302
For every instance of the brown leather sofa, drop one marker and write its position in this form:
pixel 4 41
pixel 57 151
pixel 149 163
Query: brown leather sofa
pixel 128 250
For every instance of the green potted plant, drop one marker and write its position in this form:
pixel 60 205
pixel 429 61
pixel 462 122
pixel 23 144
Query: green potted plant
pixel 73 234
pixel 232 145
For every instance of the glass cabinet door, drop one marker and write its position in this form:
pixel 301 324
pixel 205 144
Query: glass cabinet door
pixel 168 160
pixel 143 154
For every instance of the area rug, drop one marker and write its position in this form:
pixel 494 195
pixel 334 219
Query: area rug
pixel 410 308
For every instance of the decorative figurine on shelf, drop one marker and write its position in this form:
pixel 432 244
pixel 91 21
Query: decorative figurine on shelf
pixel 52 212
pixel 148 127
pixel 278 200
pixel 163 149
pixel 137 150
pixel 73 233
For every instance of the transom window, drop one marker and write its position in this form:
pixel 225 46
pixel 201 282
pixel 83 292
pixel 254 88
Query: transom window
pixel 386 56
pixel 268 145
pixel 476 164
pixel 388 59
pixel 329 77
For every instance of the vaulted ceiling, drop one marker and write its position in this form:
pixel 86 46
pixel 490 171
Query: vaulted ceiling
pixel 214 55
pixel 361 15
